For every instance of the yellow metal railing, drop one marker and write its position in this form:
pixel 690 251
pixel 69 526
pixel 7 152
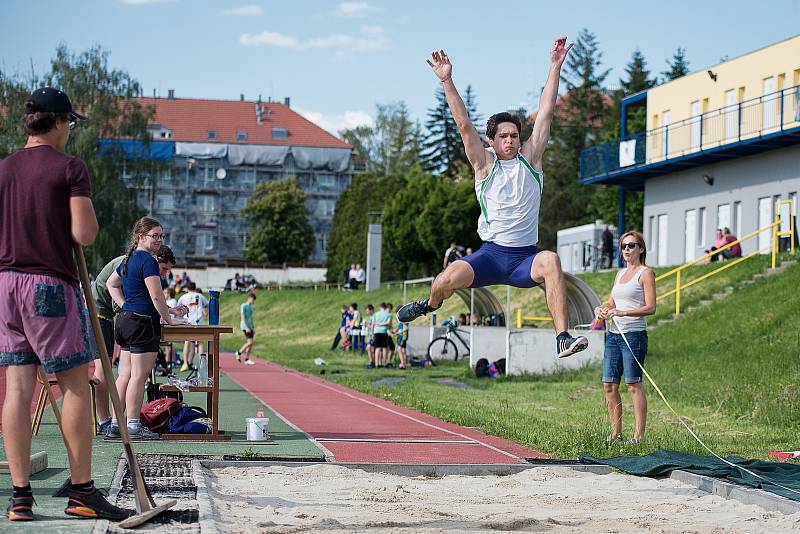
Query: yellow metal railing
pixel 678 272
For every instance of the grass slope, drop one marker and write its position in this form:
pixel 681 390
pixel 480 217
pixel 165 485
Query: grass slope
pixel 732 369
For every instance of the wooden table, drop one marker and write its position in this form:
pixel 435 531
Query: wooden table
pixel 209 334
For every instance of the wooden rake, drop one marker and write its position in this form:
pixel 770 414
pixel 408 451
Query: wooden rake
pixel 146 507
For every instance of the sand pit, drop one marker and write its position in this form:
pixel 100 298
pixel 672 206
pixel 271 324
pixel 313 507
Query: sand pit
pixel 321 498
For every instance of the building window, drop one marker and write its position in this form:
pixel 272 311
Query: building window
pixel 212 134
pixel 328 181
pixel 165 202
pixel 207 202
pixel 737 218
pixel 143 199
pixel 205 244
pixel 322 243
pixel 241 136
pixel 280 133
pixel 723 216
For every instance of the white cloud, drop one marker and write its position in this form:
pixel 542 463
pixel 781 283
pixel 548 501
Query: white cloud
pixel 337 122
pixel 373 39
pixel 354 9
pixel 146 2
pixel 249 10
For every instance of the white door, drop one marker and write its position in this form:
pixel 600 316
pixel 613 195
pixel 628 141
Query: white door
pixel 770 103
pixel 764 218
pixel 690 232
pixel 665 136
pixel 696 124
pixel 662 240
pixel 723 216
pixel 731 115
pixel 563 253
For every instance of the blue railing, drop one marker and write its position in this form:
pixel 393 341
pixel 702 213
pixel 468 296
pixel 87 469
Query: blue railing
pixel 751 119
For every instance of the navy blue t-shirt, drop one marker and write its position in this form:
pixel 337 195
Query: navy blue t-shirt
pixel 141 265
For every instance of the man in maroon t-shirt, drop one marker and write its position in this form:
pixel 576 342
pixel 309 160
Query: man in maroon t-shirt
pixel 45 204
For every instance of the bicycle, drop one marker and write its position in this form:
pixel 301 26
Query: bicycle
pixel 443 347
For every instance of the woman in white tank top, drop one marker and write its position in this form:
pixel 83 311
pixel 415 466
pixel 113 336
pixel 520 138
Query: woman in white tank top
pixel 632 298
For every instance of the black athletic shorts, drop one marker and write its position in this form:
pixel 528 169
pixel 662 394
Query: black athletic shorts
pixel 249 333
pixel 380 341
pixel 107 329
pixel 137 333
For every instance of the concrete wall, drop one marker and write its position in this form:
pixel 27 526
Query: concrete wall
pixel 775 173
pixel 531 350
pixel 215 277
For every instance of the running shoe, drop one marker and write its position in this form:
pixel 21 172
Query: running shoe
pixel 113 432
pixel 634 441
pixel 248 361
pixel 184 367
pixel 143 434
pixel 412 310
pixel 566 345
pixel 20 508
pixel 94 505
pixel 103 427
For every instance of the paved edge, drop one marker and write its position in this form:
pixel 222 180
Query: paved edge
pixel 101 525
pixel 743 494
pixel 204 507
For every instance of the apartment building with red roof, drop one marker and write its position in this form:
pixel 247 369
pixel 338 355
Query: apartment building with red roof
pixel 215 153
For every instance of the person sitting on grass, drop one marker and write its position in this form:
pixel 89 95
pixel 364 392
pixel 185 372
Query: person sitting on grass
pixel 248 329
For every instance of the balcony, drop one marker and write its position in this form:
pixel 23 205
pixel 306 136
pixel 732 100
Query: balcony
pixel 749 127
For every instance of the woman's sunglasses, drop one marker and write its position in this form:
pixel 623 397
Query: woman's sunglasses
pixel 626 246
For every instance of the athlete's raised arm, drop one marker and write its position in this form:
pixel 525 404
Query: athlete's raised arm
pixel 473 146
pixel 534 147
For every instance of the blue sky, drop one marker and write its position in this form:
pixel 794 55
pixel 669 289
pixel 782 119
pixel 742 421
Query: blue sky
pixel 336 60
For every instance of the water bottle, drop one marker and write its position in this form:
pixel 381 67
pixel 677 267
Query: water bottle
pixel 260 413
pixel 213 308
pixel 202 370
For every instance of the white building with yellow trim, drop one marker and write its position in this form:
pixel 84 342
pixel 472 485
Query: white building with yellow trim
pixel 721 149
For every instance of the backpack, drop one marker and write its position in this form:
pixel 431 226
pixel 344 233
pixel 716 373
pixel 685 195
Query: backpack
pixel 187 421
pixel 482 368
pixel 156 414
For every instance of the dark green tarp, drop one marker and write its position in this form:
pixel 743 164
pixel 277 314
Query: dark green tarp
pixel 662 462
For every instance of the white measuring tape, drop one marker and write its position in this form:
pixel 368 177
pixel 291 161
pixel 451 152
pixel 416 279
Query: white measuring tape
pixel 695 436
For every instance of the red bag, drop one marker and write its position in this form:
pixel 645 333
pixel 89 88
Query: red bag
pixel 156 414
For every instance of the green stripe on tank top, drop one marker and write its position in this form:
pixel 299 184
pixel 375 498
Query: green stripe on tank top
pixel 484 185
pixel 534 172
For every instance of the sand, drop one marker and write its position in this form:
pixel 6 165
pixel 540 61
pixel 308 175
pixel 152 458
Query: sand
pixel 322 498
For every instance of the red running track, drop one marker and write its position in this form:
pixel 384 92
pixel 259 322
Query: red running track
pixel 354 427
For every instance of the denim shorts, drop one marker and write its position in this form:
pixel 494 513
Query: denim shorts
pixel 617 358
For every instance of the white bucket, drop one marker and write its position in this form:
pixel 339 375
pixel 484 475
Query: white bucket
pixel 257 428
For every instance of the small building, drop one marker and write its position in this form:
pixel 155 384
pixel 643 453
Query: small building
pixel 721 149
pixel 580 247
pixel 216 153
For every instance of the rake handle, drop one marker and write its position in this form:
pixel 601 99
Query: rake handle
pixel 144 500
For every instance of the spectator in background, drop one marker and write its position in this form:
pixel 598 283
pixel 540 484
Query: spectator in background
pixel 719 242
pixel 475 320
pixel 392 347
pixel 451 254
pixel 402 341
pixel 361 276
pixel 198 308
pixel 355 328
pixel 468 252
pixel 382 320
pixel 342 331
pixel 736 250
pixel 607 247
pixel 462 319
pixel 353 277
pixel 248 328
pixel 369 330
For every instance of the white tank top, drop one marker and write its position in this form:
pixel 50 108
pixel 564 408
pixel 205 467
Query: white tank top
pixel 628 296
pixel 510 197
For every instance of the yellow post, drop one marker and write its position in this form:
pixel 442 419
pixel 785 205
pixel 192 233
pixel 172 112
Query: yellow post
pixel 775 243
pixel 678 293
pixel 519 317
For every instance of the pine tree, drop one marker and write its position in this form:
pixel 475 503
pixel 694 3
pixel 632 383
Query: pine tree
pixel 638 75
pixel 442 150
pixel 679 66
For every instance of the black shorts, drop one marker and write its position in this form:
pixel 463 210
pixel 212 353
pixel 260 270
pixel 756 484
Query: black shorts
pixel 380 341
pixel 107 329
pixel 249 334
pixel 137 333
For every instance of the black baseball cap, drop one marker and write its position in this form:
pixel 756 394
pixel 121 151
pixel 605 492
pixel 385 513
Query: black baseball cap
pixel 49 99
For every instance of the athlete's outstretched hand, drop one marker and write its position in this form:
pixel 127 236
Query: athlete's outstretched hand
pixel 559 52
pixel 441 65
